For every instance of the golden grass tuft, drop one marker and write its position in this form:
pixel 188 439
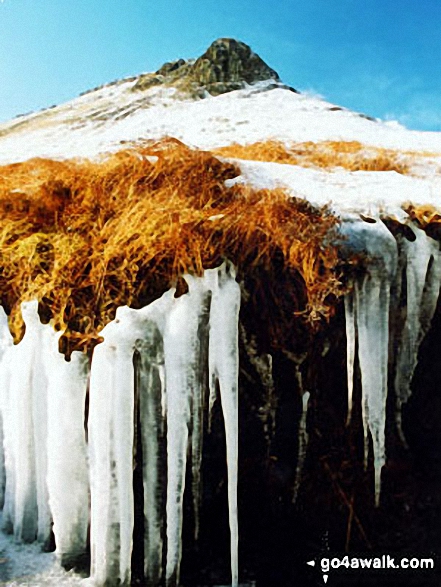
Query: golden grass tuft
pixel 86 237
pixel 350 155
pixel 423 214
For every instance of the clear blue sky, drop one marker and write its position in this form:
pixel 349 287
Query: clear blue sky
pixel 380 57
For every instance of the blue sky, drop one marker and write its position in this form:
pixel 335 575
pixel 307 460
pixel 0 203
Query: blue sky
pixel 380 57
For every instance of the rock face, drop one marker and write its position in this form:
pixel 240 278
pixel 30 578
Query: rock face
pixel 225 66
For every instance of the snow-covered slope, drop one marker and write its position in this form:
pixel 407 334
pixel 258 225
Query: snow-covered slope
pixel 105 119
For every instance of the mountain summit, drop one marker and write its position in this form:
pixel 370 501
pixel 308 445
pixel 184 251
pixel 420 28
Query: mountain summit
pixel 225 66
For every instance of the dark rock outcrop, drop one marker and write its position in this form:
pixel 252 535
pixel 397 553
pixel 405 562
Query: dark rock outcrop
pixel 225 66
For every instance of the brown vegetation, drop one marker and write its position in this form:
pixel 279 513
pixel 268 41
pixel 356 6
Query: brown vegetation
pixel 350 155
pixel 85 237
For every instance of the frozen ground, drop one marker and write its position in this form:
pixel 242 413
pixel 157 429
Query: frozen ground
pixel 26 564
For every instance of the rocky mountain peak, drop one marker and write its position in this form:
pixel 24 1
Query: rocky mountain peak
pixel 228 62
pixel 225 66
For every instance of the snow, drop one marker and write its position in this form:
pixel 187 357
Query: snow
pixel 368 192
pixel 106 119
pixel 26 564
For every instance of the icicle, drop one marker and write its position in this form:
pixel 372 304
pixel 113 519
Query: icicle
pixel 25 418
pixel 350 355
pixel 67 456
pixel 5 343
pixel 422 265
pixel 48 343
pixel 303 444
pixel 111 436
pixel 150 391
pixel 101 487
pixel 224 367
pixel 111 431
pixel 7 481
pixel 183 381
pixel 373 324
pixel 371 311
pixel 198 404
pixel 211 281
pixel 152 412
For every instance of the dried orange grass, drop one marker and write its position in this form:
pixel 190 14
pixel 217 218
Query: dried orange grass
pixel 86 237
pixel 423 215
pixel 350 155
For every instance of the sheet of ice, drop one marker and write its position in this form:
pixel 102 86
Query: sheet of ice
pixel 371 298
pixel 224 368
pixel 67 475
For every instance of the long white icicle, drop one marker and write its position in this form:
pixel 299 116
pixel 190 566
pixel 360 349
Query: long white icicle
pixel 68 482
pixel 224 367
pixel 182 376
pixel 367 314
pixel 421 259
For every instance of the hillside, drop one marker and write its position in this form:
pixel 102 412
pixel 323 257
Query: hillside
pixel 211 283
pixel 151 106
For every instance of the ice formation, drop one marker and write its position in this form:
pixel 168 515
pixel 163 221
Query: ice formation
pixel 369 311
pixel 67 470
pixel 163 366
pixel 24 413
pixel 170 338
pixel 5 343
pixel 303 445
pixel 421 261
pixel 163 355
pixel 42 409
pixel 224 370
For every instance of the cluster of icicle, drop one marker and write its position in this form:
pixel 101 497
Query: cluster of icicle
pixel 162 354
pixel 406 259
